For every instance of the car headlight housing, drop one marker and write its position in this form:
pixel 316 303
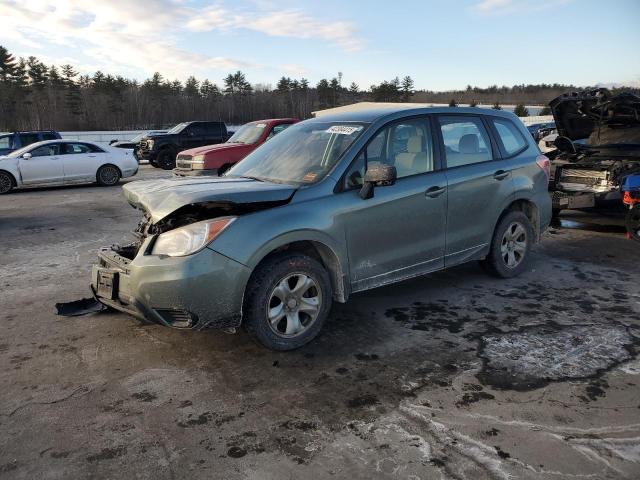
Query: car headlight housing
pixel 149 143
pixel 190 238
pixel 197 161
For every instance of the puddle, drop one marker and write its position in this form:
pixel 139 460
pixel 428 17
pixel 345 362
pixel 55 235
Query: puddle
pixel 534 356
pixel 589 227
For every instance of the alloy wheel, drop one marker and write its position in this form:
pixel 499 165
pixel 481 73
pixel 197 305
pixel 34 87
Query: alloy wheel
pixel 109 175
pixel 514 245
pixel 5 183
pixel 293 305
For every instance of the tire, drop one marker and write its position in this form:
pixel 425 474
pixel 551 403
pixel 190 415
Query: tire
pixel 7 182
pixel 273 285
pixel 632 222
pixel 166 159
pixel 108 175
pixel 510 246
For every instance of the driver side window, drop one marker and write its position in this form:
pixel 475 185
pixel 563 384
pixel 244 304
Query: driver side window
pixel 406 145
pixel 45 151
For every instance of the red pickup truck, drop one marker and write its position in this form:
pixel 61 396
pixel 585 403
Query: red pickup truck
pixel 217 159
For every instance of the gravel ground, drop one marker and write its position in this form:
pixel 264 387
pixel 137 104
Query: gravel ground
pixel 454 375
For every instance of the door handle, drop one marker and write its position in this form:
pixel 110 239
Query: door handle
pixel 500 175
pixel 91 156
pixel 434 192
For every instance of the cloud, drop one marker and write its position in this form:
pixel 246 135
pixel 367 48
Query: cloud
pixel 504 7
pixel 142 36
pixel 287 23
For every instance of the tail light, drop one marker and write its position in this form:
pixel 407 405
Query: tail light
pixel 544 163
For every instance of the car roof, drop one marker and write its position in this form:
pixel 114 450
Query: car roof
pixel 370 111
pixel 276 120
pixel 64 140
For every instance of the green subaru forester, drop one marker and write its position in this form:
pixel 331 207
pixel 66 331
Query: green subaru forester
pixel 334 205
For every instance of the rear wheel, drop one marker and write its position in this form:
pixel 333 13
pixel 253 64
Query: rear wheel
pixel 510 246
pixel 108 175
pixel 166 159
pixel 287 301
pixel 6 182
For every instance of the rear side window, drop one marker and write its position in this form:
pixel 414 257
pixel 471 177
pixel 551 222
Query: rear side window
pixel 510 136
pixel 6 141
pixel 49 136
pixel 72 148
pixel 466 141
pixel 28 138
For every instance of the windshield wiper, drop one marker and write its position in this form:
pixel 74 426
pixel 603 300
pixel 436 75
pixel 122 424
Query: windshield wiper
pixel 258 179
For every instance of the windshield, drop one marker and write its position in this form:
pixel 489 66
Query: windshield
pixel 303 154
pixel 248 134
pixel 178 128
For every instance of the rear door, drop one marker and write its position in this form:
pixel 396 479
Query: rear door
pixel 193 136
pixel 44 166
pixel 80 162
pixel 479 182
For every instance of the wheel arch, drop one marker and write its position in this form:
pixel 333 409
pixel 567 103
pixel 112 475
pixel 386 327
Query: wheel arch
pixel 529 208
pixel 321 252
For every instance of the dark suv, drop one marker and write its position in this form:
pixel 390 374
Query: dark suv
pixel 13 141
pixel 161 149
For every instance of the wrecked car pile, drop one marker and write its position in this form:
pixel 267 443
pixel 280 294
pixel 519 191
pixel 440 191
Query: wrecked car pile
pixel 590 174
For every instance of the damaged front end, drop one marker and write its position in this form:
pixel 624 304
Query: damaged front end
pixel 170 274
pixel 598 147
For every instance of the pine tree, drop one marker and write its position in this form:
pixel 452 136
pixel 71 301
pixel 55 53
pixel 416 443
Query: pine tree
pixel 521 110
pixel 7 65
pixel 192 87
pixel 407 88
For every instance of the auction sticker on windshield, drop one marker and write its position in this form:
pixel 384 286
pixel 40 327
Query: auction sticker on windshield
pixel 344 129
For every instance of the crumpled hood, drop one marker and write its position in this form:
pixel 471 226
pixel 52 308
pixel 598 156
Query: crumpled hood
pixel 598 116
pixel 159 198
pixel 220 147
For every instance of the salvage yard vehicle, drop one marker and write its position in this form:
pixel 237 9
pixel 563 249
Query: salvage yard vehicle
pixel 63 162
pixel 217 159
pixel 13 141
pixel 331 206
pixel 598 145
pixel 161 149
pixel 135 141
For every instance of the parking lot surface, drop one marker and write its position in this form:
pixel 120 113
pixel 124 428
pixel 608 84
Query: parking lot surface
pixel 453 375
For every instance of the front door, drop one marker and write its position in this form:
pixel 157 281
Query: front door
pixel 479 183
pixel 400 232
pixel 44 166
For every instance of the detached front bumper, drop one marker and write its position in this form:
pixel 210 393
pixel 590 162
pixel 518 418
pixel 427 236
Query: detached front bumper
pixel 199 291
pixel 183 172
pixel 149 155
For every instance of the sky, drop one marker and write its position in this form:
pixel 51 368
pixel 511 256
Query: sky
pixel 442 45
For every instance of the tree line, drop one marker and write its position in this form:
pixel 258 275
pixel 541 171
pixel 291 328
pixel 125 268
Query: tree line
pixel 36 96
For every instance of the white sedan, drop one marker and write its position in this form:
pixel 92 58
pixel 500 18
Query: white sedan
pixel 64 162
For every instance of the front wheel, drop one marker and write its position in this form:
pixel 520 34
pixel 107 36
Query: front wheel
pixel 510 246
pixel 108 175
pixel 166 159
pixel 287 301
pixel 6 182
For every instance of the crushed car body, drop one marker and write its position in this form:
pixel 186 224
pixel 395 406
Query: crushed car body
pixel 598 145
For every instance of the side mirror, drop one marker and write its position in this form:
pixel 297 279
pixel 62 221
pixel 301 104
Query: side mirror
pixel 26 156
pixel 378 174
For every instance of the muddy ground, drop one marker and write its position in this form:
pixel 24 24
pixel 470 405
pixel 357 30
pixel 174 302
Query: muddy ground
pixel 455 375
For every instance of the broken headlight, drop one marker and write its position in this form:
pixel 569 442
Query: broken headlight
pixel 190 238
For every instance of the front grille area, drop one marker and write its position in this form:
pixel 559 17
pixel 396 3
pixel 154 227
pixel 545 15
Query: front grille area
pixel 581 180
